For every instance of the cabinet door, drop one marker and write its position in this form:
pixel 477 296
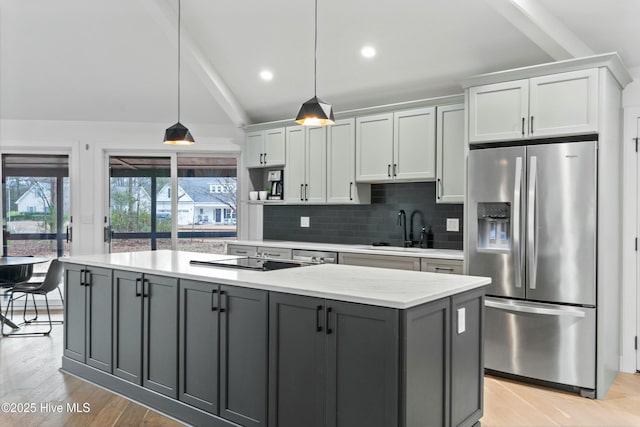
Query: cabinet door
pixel 450 150
pixel 243 355
pixel 74 312
pixel 199 351
pixel 294 171
pixel 426 375
pixel 374 148
pixel 160 349
pixel 341 164
pixel 414 139
pixel 99 318
pixel 296 361
pixel 498 112
pixel 254 144
pixel 315 189
pixel 362 365
pixel 383 261
pixel 274 147
pixel 127 326
pixel 467 364
pixel 563 104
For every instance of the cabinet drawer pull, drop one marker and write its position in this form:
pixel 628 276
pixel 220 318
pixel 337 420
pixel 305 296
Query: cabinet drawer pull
pixel 261 158
pixel 329 330
pixel 214 304
pixel 146 288
pixel 301 187
pixel 306 192
pixel 138 293
pixel 523 126
pixel 444 269
pixel 351 191
pixel 265 158
pixel 318 326
pixel 389 171
pixel 438 184
pixel 82 277
pixel 395 169
pixel 87 277
pixel 531 126
pixel 241 252
pixel 223 301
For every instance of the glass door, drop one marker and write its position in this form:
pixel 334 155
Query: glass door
pixel 142 202
pixel 139 217
pixel 36 206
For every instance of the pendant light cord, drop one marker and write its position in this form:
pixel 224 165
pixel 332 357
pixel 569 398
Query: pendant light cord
pixel 179 19
pixel 315 58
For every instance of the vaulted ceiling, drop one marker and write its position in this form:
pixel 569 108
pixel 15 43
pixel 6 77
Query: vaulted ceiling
pixel 116 60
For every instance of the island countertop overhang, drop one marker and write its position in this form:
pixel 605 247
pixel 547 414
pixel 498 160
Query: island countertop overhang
pixel 374 286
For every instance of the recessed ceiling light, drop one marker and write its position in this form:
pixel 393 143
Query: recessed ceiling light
pixel 266 75
pixel 368 52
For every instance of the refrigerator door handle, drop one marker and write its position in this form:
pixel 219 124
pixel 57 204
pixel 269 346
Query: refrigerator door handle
pixel 533 310
pixel 532 250
pixel 515 232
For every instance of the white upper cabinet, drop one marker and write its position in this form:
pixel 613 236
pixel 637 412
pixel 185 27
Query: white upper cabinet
pixel 414 144
pixel 396 146
pixel 554 105
pixel 294 171
pixel 341 165
pixel 498 112
pixel 564 103
pixel 450 150
pixel 306 164
pixel 265 148
pixel 374 148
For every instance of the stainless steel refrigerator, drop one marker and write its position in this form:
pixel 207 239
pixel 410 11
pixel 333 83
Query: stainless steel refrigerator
pixel 532 218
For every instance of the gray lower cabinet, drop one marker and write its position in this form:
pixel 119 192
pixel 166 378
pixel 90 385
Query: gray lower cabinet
pixel 145 328
pixel 332 363
pixel 340 364
pixel 223 351
pixel 87 315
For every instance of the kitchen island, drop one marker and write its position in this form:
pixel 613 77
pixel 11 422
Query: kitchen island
pixel 316 345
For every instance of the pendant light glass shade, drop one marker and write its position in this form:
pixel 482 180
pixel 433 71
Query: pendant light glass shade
pixel 315 112
pixel 178 134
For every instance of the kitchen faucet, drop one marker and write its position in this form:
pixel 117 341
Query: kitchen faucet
pixel 411 240
pixel 402 222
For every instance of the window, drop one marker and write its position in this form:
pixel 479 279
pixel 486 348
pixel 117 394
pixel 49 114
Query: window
pixel 141 203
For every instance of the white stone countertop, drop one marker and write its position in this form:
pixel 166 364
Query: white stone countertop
pixel 360 249
pixel 375 286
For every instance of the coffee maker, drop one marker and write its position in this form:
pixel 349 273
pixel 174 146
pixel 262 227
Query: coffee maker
pixel 275 180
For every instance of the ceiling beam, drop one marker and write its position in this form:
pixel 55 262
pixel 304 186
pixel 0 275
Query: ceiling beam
pixel 543 28
pixel 167 17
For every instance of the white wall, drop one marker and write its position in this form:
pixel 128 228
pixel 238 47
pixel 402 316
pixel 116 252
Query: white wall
pixel 629 303
pixel 87 142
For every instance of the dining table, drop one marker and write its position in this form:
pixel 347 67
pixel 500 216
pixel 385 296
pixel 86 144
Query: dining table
pixel 15 261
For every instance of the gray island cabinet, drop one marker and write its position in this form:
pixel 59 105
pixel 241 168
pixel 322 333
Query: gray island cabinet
pixel 326 345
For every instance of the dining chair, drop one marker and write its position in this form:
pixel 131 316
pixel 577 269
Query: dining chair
pixel 51 281
pixel 12 275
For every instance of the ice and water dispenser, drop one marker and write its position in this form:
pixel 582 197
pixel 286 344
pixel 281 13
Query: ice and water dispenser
pixel 494 226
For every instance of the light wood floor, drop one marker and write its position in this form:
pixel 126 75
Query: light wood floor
pixel 29 374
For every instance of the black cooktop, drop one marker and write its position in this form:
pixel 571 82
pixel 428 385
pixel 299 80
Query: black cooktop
pixel 251 263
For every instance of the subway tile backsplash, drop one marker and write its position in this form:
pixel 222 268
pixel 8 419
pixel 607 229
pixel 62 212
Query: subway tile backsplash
pixel 364 224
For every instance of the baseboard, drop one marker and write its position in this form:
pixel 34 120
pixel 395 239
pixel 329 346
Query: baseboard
pixel 172 408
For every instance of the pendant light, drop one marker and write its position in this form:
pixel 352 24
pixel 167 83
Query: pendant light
pixel 178 134
pixel 315 112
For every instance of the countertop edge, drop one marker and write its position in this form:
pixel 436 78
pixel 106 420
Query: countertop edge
pixel 474 283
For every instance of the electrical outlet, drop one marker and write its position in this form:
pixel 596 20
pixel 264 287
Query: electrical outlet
pixel 453 224
pixel 304 221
